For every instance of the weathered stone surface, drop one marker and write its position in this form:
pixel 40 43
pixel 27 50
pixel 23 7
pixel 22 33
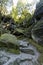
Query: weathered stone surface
pixel 27 51
pixel 37 32
pixel 39 10
pixel 23 43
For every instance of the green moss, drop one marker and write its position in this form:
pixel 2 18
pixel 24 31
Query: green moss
pixel 10 50
pixel 16 51
pixel 40 59
pixel 9 40
pixel 39 47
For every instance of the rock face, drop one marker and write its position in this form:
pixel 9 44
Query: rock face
pixel 9 40
pixel 37 32
pixel 39 10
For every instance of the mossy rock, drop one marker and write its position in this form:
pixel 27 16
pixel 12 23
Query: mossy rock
pixel 40 59
pixel 16 51
pixel 9 40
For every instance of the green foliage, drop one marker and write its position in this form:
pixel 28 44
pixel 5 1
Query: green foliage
pixel 25 16
pixel 3 10
pixel 3 4
pixel 20 13
pixel 14 13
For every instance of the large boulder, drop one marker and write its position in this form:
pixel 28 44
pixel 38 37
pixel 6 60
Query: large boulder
pixel 39 10
pixel 9 40
pixel 37 32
